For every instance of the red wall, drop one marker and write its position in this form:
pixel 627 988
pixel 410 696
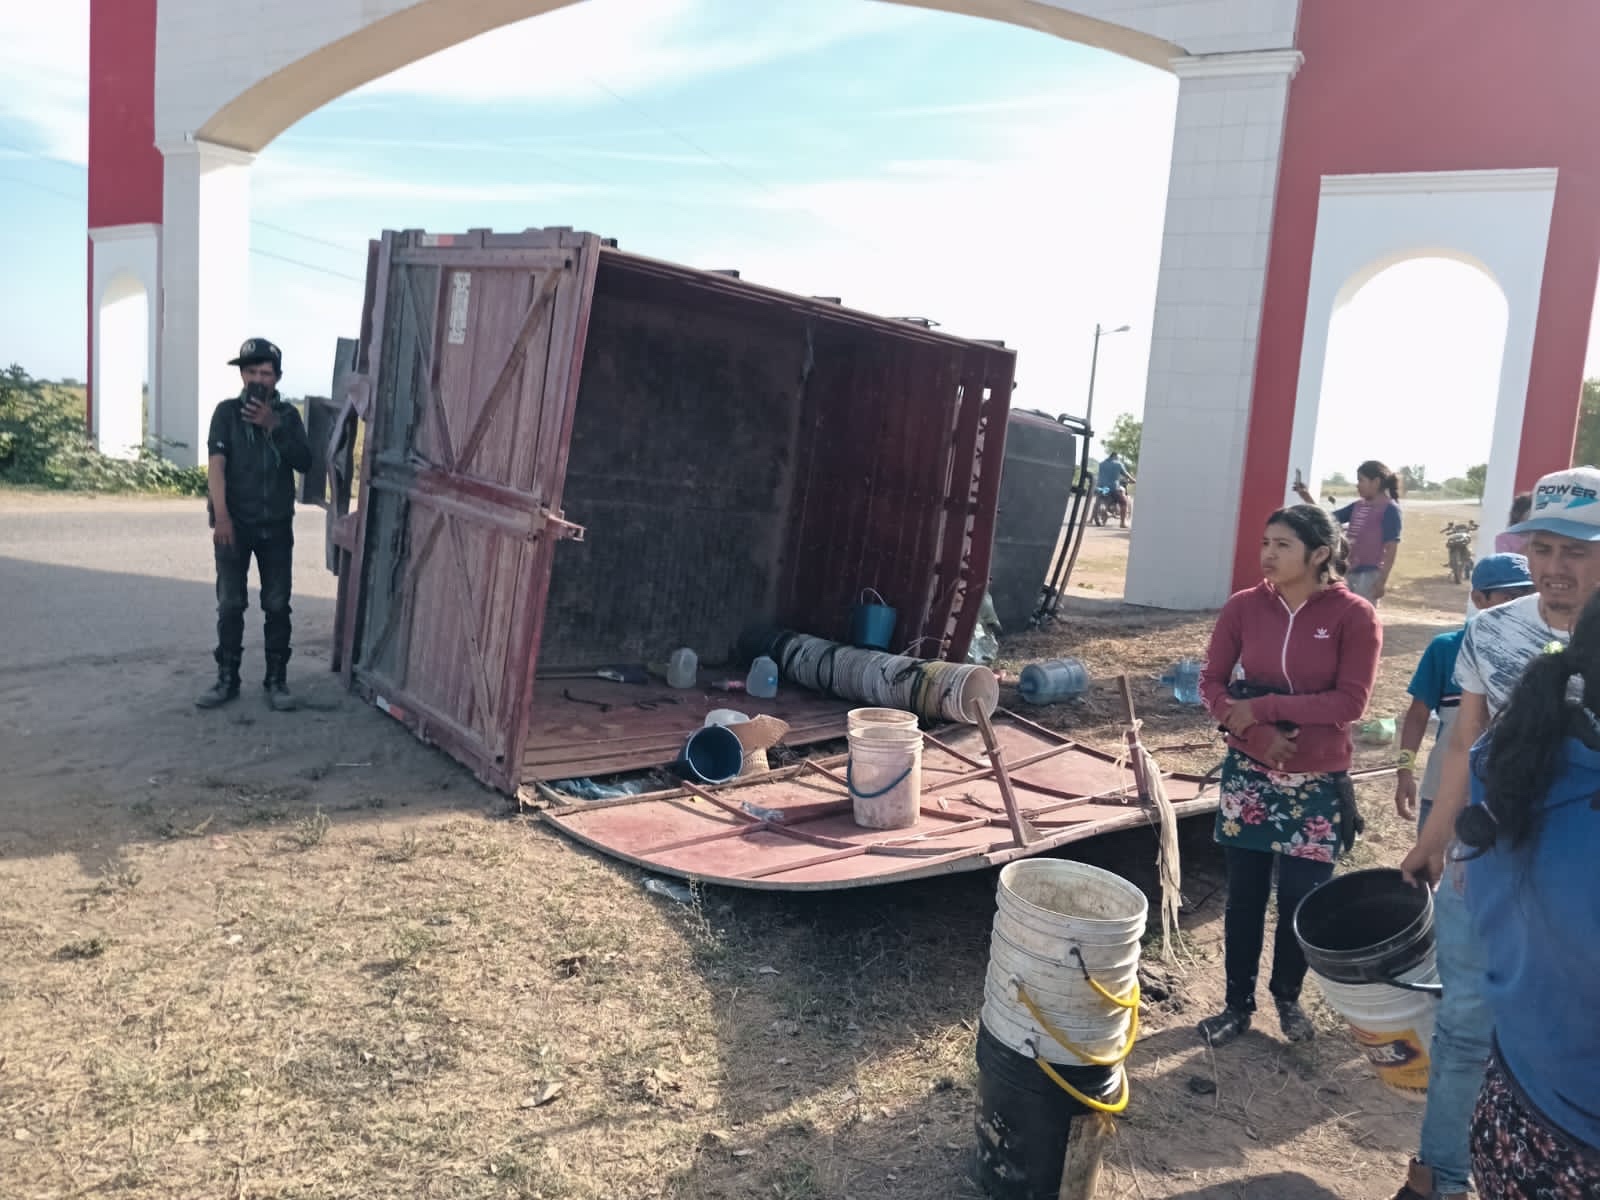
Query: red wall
pixel 1434 85
pixel 124 164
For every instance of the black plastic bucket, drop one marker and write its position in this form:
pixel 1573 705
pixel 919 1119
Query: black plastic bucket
pixel 1366 927
pixel 1023 1119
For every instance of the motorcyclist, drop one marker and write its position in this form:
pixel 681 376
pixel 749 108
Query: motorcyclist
pixel 1110 478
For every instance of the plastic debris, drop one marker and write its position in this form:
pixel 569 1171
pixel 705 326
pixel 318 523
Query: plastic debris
pixel 672 891
pixel 588 789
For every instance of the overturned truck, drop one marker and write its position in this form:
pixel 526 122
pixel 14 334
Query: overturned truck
pixel 556 462
pixel 572 456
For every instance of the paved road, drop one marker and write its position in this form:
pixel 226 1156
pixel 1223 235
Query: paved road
pixel 105 578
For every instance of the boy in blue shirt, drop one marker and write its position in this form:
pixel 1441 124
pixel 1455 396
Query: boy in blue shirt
pixel 1460 1045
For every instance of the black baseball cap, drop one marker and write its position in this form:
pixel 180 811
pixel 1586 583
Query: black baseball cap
pixel 258 350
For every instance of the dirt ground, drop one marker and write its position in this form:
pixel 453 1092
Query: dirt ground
pixel 252 955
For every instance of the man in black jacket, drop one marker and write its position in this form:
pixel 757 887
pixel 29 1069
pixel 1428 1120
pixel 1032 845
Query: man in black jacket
pixel 256 444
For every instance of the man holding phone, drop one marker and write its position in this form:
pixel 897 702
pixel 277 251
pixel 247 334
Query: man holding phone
pixel 256 444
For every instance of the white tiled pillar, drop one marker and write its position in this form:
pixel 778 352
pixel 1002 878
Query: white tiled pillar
pixel 124 294
pixel 205 261
pixel 1225 156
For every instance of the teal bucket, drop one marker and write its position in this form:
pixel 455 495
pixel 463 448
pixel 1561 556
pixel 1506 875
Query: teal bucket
pixel 872 625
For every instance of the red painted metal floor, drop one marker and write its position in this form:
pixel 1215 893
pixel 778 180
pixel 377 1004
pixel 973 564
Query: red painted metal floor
pixel 793 830
pixel 586 727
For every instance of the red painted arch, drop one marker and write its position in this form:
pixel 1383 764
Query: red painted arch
pixel 124 164
pixel 1452 85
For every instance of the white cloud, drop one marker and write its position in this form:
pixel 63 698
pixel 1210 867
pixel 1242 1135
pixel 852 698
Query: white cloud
pixel 628 46
pixel 283 181
pixel 44 56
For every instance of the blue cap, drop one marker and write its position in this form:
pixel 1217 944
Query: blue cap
pixel 1501 573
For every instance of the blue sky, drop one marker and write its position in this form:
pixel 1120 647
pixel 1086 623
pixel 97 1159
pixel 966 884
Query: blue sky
pixel 1005 183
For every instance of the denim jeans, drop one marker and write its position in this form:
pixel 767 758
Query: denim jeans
pixel 1245 920
pixel 272 546
pixel 1459 1053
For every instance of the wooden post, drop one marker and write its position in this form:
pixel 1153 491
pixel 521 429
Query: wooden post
pixel 1086 1148
pixel 1135 761
pixel 1020 829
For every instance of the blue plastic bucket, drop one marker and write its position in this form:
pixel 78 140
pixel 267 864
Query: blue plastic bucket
pixel 872 625
pixel 713 754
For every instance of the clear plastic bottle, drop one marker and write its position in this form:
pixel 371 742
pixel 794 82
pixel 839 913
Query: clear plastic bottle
pixel 1184 680
pixel 682 668
pixel 1054 680
pixel 762 682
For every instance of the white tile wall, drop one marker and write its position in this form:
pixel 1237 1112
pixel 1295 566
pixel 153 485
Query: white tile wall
pixel 1208 314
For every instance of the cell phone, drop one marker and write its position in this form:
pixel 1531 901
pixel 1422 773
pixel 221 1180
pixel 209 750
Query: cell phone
pixel 1298 481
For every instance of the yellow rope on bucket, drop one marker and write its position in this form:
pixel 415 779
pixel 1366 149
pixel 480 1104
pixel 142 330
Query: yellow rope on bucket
pixel 1131 1002
pixel 1112 1109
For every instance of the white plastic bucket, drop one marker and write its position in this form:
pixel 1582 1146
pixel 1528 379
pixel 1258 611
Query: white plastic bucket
pixel 1059 924
pixel 892 718
pixel 885 775
pixel 1393 1026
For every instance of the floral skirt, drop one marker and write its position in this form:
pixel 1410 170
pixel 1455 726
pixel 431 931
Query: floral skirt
pixel 1517 1155
pixel 1297 815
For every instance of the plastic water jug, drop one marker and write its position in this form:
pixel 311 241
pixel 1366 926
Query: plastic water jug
pixel 1049 682
pixel 682 668
pixel 1184 680
pixel 762 682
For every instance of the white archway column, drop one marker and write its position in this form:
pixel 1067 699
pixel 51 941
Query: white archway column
pixel 205 261
pixel 1498 220
pixel 1224 180
pixel 127 268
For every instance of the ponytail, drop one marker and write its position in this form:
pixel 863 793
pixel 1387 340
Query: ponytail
pixel 1387 479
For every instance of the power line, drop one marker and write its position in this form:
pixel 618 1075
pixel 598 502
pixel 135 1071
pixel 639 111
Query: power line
pixel 283 258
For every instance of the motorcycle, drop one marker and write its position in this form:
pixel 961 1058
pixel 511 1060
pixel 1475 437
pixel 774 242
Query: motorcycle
pixel 1104 505
pixel 1458 539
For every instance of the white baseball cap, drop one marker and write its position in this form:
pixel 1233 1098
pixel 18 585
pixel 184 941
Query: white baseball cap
pixel 1566 503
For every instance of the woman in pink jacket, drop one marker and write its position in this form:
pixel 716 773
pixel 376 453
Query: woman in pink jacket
pixel 1291 664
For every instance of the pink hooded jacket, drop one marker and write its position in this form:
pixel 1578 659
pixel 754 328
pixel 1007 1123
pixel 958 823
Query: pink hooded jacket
pixel 1325 656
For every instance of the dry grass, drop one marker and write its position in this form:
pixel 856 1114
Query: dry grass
pixel 267 993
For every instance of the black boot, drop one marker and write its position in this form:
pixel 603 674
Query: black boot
pixel 227 685
pixel 276 683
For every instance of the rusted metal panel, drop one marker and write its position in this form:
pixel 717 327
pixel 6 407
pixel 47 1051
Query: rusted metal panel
pixel 793 831
pixel 462 488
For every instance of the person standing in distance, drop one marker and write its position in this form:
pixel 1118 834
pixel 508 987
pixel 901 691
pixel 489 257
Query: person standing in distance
pixel 256 444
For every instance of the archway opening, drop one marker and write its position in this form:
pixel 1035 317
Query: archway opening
pixel 121 395
pixel 1412 380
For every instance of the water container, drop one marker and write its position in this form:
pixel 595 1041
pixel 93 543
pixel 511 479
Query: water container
pixel 1184 679
pixel 713 754
pixel 762 682
pixel 682 668
pixel 1368 939
pixel 884 775
pixel 1023 1119
pixel 872 624
pixel 1057 679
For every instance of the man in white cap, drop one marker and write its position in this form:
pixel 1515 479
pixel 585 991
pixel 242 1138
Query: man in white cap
pixel 1564 559
pixel 255 445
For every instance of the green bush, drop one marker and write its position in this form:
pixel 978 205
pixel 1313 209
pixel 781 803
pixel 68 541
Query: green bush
pixel 43 443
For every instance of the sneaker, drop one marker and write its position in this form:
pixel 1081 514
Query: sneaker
pixel 1225 1026
pixel 1293 1021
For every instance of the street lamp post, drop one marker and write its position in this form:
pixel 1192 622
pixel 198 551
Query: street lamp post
pixel 1094 362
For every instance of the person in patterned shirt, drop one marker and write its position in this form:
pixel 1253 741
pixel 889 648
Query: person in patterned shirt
pixel 1308 648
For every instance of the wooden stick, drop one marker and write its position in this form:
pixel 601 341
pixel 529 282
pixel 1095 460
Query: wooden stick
pixel 1086 1143
pixel 1020 829
pixel 1134 761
